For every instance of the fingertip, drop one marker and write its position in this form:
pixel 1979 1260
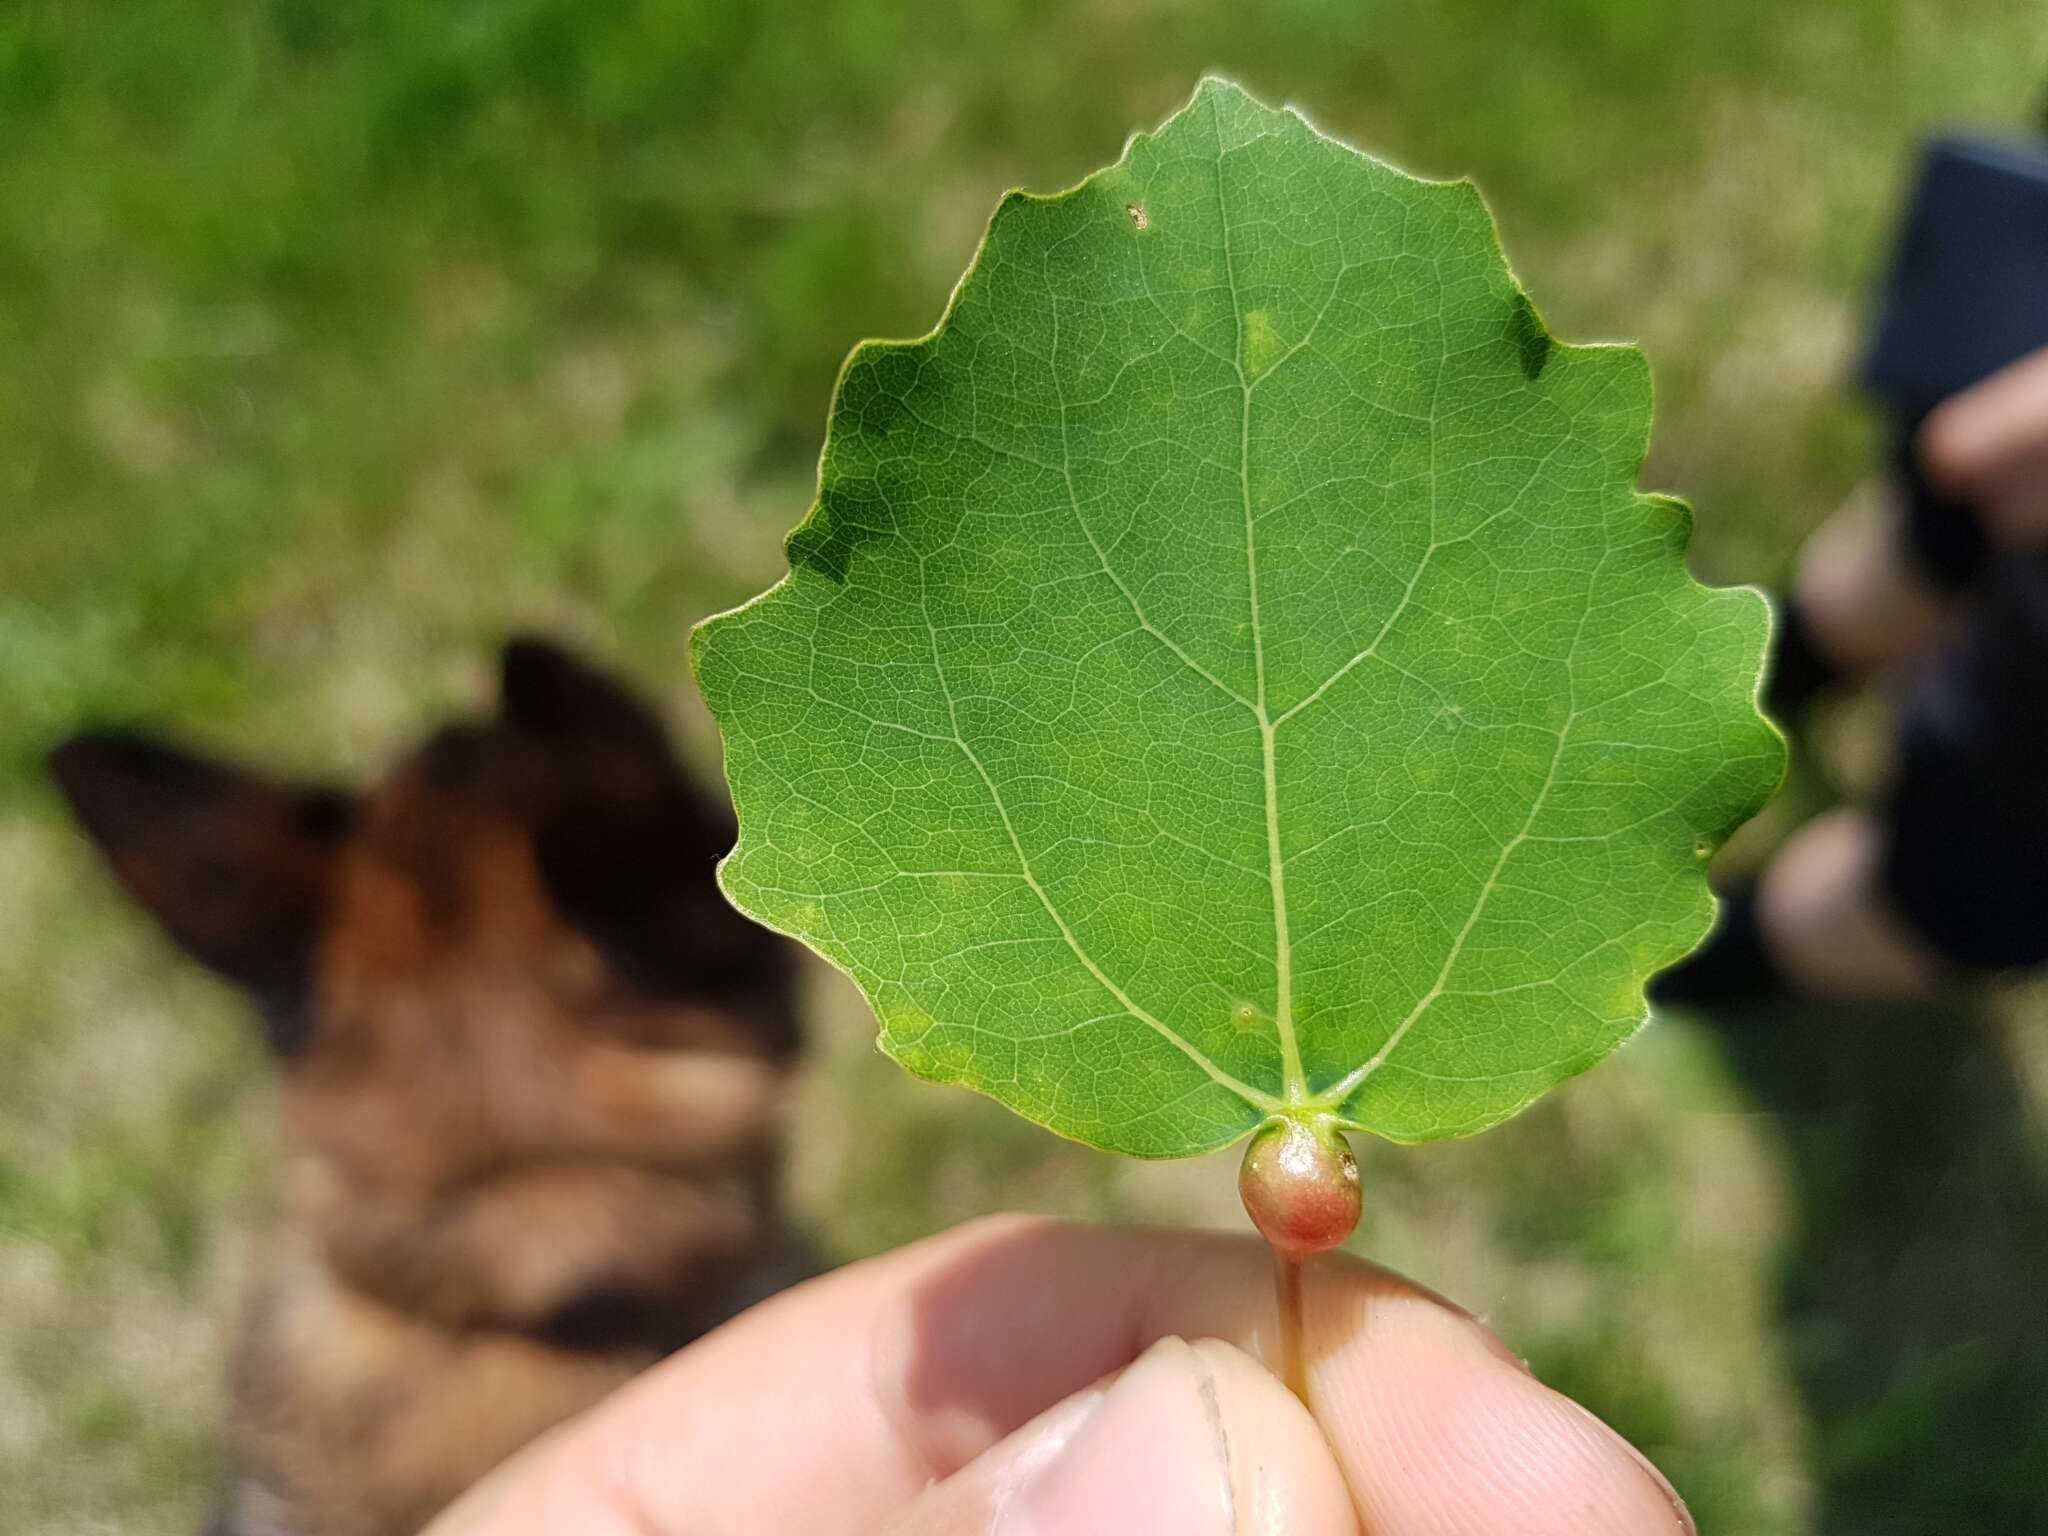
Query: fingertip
pixel 1950 449
pixel 1990 431
pixel 1439 1429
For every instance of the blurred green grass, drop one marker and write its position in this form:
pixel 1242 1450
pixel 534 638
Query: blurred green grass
pixel 337 339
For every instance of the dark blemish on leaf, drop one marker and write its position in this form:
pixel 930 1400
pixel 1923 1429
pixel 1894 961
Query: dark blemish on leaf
pixel 827 539
pixel 821 545
pixel 1672 517
pixel 852 508
pixel 1702 849
pixel 1528 337
pixel 1138 215
pixel 818 545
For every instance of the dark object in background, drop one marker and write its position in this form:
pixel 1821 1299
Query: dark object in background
pixel 1968 294
pixel 530 1064
pixel 1796 673
pixel 1968 291
pixel 1731 965
pixel 1966 857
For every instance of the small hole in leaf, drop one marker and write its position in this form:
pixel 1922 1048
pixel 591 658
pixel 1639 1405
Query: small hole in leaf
pixel 1702 849
pixel 1138 215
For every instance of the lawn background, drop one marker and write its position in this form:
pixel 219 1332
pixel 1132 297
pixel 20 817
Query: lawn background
pixel 338 339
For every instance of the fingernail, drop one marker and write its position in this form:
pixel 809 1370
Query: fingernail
pixel 1149 1455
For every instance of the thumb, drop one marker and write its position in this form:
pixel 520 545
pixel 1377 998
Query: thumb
pixel 1196 1439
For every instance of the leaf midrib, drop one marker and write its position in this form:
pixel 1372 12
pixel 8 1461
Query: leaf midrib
pixel 1294 1081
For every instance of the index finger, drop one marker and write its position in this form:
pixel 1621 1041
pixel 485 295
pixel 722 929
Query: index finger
pixel 830 1407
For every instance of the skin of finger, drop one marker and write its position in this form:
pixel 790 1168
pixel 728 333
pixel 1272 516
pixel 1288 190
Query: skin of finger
pixel 1989 445
pixel 1437 1436
pixel 1825 918
pixel 558 1483
pixel 2014 502
pixel 834 1405
pixel 1866 604
pixel 1196 1438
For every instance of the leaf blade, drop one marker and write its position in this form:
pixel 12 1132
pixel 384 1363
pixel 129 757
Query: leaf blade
pixel 1238 530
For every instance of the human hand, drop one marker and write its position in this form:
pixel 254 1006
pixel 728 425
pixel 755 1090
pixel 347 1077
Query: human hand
pixel 1027 1377
pixel 1989 446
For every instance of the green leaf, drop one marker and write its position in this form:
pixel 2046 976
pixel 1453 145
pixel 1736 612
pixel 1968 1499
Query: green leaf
pixel 1228 671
